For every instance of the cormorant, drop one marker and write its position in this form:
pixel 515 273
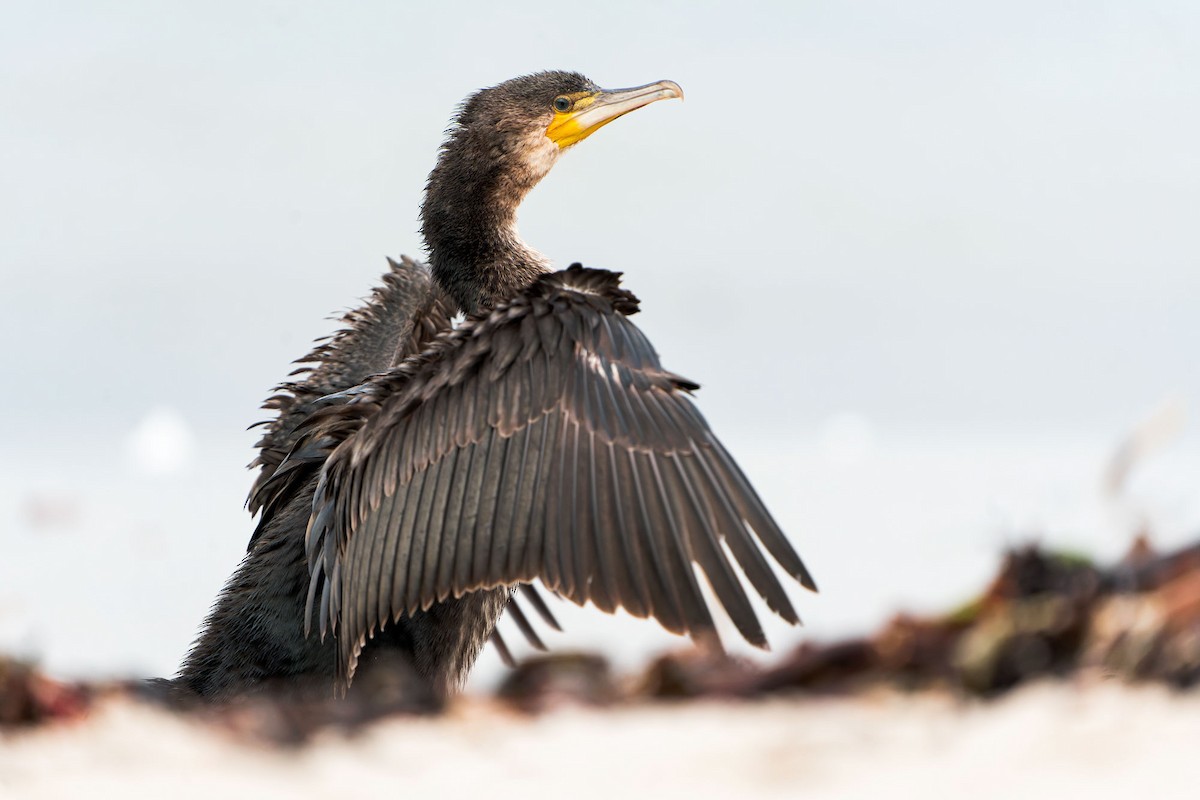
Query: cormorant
pixel 420 472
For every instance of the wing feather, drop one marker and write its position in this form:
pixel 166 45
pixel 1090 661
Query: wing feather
pixel 541 440
pixel 530 593
pixel 625 536
pixel 553 499
pixel 405 590
pixel 518 616
pixel 537 556
pixel 604 527
pixel 679 556
pixel 667 603
pixel 439 522
pixel 760 520
pixel 404 552
pixel 592 578
pixel 403 313
pixel 503 535
pixel 464 542
pixel 366 564
pixel 489 498
pixel 748 555
pixel 707 552
pixel 502 648
pixel 571 536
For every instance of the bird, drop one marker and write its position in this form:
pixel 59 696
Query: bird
pixel 421 475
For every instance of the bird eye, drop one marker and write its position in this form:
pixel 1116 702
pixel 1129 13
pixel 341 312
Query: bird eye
pixel 562 103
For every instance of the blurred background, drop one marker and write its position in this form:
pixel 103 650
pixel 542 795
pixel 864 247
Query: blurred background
pixel 931 263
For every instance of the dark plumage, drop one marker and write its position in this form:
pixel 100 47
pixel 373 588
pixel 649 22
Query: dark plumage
pixel 495 152
pixel 418 473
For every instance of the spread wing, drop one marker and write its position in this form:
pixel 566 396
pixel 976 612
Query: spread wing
pixel 399 318
pixel 544 440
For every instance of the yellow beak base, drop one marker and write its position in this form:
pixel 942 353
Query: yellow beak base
pixel 591 111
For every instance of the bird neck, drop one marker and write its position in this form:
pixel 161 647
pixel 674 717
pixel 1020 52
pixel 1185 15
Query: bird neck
pixel 469 222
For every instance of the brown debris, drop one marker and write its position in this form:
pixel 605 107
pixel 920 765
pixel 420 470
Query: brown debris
pixel 913 650
pixel 28 697
pixel 545 682
pixel 1143 570
pixel 699 672
pixel 1043 615
pixel 838 668
pixel 1151 635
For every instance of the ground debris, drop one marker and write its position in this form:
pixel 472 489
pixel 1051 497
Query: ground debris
pixel 698 672
pixel 550 681
pixel 1045 614
pixel 28 697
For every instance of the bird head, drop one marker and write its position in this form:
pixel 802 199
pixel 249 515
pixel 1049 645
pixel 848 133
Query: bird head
pixel 504 140
pixel 533 119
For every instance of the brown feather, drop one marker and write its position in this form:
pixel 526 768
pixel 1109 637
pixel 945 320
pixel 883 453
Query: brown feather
pixel 542 439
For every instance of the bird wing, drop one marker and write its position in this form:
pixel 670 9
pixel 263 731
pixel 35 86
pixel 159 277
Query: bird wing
pixel 515 611
pixel 399 318
pixel 541 441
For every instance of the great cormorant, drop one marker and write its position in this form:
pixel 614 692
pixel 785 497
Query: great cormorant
pixel 419 471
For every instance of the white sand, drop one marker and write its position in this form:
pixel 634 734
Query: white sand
pixel 1106 741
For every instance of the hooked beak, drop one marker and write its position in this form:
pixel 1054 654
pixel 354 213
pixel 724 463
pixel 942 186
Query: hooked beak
pixel 591 111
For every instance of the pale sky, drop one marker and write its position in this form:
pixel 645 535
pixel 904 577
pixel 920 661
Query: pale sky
pixel 946 219
pixel 925 212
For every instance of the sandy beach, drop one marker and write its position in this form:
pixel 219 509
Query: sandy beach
pixel 1098 741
